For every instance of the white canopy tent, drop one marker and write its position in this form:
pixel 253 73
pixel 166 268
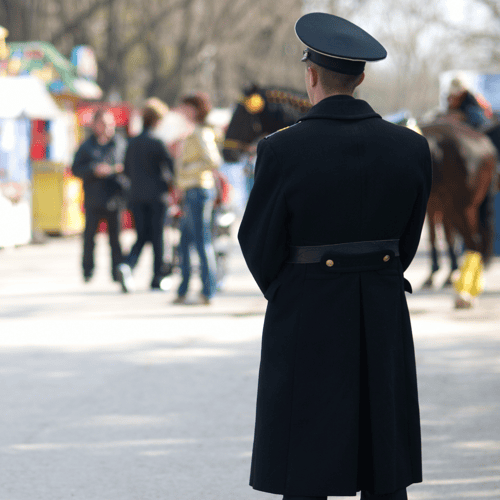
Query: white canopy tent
pixel 26 96
pixel 22 99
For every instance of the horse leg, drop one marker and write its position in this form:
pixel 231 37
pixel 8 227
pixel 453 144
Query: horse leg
pixel 486 229
pixel 450 240
pixel 431 217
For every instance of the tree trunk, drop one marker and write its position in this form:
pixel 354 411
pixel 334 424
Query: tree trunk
pixel 113 81
pixel 17 20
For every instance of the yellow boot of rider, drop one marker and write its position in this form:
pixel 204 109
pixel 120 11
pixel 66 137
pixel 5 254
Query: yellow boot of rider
pixel 470 284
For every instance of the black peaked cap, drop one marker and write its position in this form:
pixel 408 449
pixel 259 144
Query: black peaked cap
pixel 337 44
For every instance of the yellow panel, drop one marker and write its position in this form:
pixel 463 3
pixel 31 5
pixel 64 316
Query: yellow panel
pixel 47 200
pixel 57 199
pixel 72 214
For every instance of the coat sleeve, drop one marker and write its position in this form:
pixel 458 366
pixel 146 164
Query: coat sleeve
pixel 83 165
pixel 166 163
pixel 263 234
pixel 127 162
pixel 209 150
pixel 411 236
pixel 120 149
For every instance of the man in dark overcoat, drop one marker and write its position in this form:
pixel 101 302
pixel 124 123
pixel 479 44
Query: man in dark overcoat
pixel 333 221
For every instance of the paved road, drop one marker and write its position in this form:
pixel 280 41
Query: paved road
pixel 108 396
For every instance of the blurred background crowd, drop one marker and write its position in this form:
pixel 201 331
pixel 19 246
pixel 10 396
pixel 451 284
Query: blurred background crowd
pixel 62 62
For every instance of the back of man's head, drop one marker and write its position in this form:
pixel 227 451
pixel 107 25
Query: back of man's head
pixel 335 83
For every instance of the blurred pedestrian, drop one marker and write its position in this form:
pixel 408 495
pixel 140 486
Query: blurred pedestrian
pixel 198 158
pixel 99 162
pixel 333 220
pixel 473 109
pixel 149 168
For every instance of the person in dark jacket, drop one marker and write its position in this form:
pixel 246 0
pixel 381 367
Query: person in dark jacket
pixel 332 222
pixel 463 101
pixel 99 162
pixel 149 168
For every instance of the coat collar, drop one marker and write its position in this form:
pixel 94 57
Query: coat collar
pixel 95 142
pixel 341 107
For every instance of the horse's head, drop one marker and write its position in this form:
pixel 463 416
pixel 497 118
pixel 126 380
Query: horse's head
pixel 245 125
pixel 261 112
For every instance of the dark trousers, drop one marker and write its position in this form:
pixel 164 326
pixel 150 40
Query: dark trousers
pixel 149 221
pixel 92 218
pixel 397 495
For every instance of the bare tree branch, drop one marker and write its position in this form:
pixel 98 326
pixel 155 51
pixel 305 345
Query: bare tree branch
pixel 78 20
pixel 493 5
pixel 150 26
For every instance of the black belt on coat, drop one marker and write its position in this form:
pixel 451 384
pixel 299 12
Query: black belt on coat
pixel 315 254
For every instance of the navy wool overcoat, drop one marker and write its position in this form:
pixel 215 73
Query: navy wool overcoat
pixel 337 403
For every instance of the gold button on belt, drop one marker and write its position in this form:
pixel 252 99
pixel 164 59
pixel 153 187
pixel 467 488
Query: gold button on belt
pixel 326 254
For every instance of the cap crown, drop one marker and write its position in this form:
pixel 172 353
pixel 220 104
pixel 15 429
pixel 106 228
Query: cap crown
pixel 333 37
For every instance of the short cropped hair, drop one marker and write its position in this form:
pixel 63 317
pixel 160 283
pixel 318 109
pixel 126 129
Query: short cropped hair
pixel 333 82
pixel 100 112
pixel 201 102
pixel 154 110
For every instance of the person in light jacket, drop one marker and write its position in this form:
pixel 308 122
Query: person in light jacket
pixel 198 159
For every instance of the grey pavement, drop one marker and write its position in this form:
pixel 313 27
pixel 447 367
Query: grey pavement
pixel 108 396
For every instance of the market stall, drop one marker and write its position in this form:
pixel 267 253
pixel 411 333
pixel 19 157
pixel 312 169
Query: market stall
pixel 23 101
pixel 57 194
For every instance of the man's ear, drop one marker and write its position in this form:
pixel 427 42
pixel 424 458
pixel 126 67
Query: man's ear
pixel 313 76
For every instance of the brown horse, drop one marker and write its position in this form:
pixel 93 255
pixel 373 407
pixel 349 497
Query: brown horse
pixel 437 216
pixel 463 169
